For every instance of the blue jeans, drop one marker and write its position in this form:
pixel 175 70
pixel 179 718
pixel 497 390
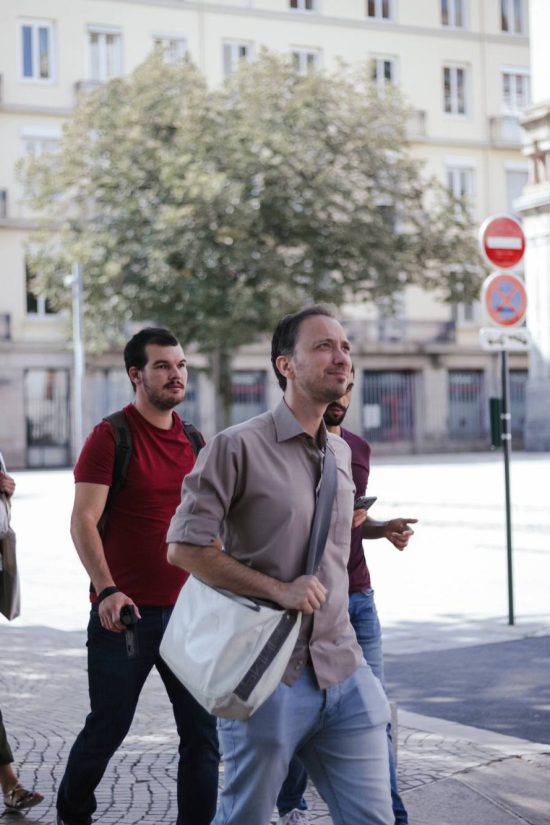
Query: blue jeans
pixel 115 683
pixel 364 618
pixel 340 735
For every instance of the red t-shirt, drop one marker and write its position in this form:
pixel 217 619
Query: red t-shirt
pixel 135 532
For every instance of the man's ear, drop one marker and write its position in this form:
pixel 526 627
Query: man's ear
pixel 135 376
pixel 284 365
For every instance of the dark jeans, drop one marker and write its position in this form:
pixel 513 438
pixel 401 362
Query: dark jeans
pixel 115 683
pixel 364 618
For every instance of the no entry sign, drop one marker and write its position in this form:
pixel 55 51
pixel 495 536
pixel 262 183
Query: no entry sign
pixel 502 241
pixel 505 298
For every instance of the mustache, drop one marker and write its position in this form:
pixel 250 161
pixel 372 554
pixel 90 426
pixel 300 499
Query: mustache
pixel 174 384
pixel 334 406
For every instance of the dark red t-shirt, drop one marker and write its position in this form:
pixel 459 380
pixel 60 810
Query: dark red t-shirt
pixel 135 533
pixel 359 576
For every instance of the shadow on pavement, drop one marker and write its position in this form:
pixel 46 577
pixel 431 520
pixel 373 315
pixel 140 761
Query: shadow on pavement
pixel 502 687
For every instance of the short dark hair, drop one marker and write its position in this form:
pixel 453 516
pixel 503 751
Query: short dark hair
pixel 134 351
pixel 284 338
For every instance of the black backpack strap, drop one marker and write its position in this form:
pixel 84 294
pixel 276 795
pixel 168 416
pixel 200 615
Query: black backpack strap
pixel 194 436
pixel 123 449
pixel 123 454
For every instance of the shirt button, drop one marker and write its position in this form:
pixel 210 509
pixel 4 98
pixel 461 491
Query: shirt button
pixel 298 666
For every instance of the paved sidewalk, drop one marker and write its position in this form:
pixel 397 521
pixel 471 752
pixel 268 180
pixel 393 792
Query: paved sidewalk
pixel 450 774
pixel 447 592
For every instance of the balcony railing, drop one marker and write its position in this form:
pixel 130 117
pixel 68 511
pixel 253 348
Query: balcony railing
pixel 399 331
pixel 87 86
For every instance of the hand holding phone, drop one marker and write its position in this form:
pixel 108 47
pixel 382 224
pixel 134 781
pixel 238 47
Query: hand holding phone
pixel 364 502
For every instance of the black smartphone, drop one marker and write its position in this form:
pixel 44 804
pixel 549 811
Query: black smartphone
pixel 364 502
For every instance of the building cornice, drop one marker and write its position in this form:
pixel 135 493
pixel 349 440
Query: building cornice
pixel 535 200
pixel 331 21
pixel 18 224
pixel 32 109
pixel 464 143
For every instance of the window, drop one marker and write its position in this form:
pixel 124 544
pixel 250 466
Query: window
pixel 380 9
pixel 383 72
pixel 36 304
pixel 109 391
pixel 467 403
pixel 36 146
pixel 515 90
pixel 47 417
pixel 233 53
pixel 464 314
pixel 512 16
pixel 518 386
pixel 248 394
pixel 516 181
pixel 173 48
pixel 460 181
pixel 454 90
pixel 452 13
pixel 105 48
pixel 305 60
pixel 37 51
pixel 388 405
pixel 39 142
pixel 303 5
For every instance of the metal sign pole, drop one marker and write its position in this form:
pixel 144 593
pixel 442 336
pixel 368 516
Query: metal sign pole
pixel 506 419
pixel 502 243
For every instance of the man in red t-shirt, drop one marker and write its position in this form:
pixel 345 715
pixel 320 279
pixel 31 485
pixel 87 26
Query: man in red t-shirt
pixel 128 569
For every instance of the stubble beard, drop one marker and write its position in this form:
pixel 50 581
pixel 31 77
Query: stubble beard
pixel 159 401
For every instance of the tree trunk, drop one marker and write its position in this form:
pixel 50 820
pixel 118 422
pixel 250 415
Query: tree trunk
pixel 220 365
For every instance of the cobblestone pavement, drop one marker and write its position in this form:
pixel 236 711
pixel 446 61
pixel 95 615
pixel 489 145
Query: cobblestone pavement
pixel 44 701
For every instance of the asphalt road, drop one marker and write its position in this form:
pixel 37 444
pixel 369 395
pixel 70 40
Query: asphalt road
pixel 502 687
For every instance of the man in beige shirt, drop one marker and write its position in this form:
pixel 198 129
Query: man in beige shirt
pixel 255 484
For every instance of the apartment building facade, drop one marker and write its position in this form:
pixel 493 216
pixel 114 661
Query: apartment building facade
pixel 463 66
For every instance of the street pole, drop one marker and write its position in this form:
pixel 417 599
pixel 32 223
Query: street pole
pixel 506 419
pixel 78 353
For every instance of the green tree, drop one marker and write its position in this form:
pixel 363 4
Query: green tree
pixel 214 211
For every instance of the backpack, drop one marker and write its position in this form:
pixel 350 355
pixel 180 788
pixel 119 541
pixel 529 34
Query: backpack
pixel 123 454
pixel 123 448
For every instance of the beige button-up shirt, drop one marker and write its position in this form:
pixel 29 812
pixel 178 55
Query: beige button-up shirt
pixel 255 485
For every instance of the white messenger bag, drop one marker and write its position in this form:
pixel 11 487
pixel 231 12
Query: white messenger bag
pixel 228 651
pixel 231 651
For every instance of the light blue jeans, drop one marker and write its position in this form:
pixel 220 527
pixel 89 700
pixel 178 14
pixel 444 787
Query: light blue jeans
pixel 364 618
pixel 339 734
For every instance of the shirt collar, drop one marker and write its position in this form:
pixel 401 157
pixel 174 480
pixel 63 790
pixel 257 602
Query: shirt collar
pixel 287 425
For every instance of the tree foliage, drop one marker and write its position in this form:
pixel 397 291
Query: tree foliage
pixel 213 211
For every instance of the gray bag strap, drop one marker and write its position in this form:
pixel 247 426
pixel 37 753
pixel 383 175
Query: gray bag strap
pixel 323 512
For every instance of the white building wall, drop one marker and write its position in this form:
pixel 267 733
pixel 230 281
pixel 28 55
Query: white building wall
pixel 482 139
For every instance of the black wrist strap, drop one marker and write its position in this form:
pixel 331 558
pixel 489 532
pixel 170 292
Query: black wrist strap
pixel 107 591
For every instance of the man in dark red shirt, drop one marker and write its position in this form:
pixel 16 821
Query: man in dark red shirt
pixel 362 608
pixel 128 569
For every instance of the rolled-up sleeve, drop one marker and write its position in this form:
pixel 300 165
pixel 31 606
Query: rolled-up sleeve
pixel 207 493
